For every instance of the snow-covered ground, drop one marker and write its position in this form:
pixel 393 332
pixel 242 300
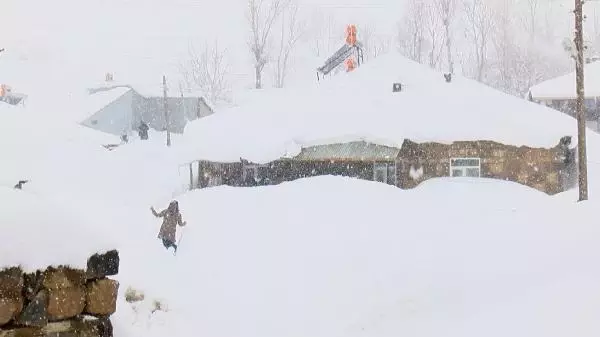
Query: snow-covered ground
pixel 325 256
pixel 333 256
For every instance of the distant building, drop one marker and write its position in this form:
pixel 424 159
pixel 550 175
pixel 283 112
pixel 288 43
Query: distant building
pixel 7 95
pixel 560 94
pixel 549 170
pixel 392 121
pixel 119 109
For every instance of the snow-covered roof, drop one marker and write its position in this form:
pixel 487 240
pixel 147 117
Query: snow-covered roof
pixel 148 89
pixel 58 87
pixel 563 87
pixel 361 106
pixel 87 105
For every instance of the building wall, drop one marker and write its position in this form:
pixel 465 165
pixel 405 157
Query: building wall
pixel 548 170
pixel 116 118
pixel 279 171
pixel 303 169
pixel 542 169
pixel 568 106
pixel 128 111
pixel 181 110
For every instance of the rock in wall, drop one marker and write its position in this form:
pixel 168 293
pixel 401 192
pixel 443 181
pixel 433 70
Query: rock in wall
pixel 60 300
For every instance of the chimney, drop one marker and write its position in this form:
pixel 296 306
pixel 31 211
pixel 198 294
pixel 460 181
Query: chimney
pixel 397 87
pixel 109 77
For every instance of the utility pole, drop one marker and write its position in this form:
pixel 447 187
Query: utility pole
pixel 579 65
pixel 167 124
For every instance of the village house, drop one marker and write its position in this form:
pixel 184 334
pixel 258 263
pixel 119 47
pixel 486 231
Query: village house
pixel 559 93
pixel 424 126
pixel 7 95
pixel 121 108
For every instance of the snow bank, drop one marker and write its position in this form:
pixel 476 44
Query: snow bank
pixel 331 256
pixel 38 232
pixel 361 105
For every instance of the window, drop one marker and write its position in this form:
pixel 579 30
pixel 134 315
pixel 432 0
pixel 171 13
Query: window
pixel 384 173
pixel 250 171
pixel 380 172
pixel 465 167
pixel 254 174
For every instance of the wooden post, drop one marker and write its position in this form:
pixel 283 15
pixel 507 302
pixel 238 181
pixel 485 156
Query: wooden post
pixel 167 124
pixel 579 65
pixel 191 176
pixel 200 175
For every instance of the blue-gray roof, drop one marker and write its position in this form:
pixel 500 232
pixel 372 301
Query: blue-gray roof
pixel 354 151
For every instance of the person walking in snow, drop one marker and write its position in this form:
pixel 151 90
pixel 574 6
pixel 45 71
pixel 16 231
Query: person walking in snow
pixel 143 130
pixel 171 218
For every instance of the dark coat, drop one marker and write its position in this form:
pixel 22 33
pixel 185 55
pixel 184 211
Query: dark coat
pixel 171 218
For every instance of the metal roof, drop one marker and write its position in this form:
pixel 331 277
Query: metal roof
pixel 355 151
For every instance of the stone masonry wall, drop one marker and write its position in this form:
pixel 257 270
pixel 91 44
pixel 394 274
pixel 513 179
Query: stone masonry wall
pixel 60 301
pixel 539 168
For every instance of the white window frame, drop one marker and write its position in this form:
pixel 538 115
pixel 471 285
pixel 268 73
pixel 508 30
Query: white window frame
pixel 465 168
pixel 385 167
pixel 215 179
pixel 253 168
pixel 380 167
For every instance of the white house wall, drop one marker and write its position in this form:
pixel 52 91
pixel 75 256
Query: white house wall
pixel 129 110
pixel 116 118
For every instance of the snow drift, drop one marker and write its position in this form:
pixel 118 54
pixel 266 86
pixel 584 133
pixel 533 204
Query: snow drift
pixel 341 257
pixel 361 106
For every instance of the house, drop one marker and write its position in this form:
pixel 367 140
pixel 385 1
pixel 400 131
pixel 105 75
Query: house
pixel 7 95
pixel 119 109
pixel 391 120
pixel 548 170
pixel 560 94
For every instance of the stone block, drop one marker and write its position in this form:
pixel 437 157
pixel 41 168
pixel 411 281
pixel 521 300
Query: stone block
pixel 69 328
pixel 35 313
pixel 10 307
pixel 11 280
pixel 65 303
pixel 63 277
pixel 102 265
pixel 101 297
pixel 32 284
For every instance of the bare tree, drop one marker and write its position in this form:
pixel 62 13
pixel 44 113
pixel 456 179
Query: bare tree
pixel 412 31
pixel 446 10
pixel 292 30
pixel 207 70
pixel 531 18
pixel 373 42
pixel 479 20
pixel 262 14
pixel 325 33
pixel 366 35
pixel 435 35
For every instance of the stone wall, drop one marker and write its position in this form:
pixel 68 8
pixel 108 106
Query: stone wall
pixel 539 168
pixel 60 301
